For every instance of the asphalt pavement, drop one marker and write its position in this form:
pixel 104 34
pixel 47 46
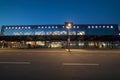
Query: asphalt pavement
pixel 59 64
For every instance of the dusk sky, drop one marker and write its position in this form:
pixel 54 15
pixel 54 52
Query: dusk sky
pixel 27 12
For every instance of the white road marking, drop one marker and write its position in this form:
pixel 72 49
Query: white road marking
pixel 80 64
pixel 15 62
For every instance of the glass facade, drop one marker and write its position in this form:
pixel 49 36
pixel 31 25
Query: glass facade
pixel 56 35
pixel 61 30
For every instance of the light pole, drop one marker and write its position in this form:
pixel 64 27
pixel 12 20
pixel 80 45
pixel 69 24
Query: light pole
pixel 68 26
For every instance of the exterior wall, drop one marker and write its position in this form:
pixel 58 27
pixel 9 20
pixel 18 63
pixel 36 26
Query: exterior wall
pixel 78 35
pixel 110 29
pixel 59 44
pixel 103 30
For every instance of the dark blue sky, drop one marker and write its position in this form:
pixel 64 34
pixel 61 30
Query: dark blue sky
pixel 18 12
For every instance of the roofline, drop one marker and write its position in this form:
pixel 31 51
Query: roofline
pixel 57 24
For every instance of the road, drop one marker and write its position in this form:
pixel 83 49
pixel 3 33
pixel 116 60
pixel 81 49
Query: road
pixel 58 64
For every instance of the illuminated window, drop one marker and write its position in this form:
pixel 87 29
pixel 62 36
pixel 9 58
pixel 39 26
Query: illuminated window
pixel 49 27
pixel 39 33
pixel 81 33
pixel 48 33
pixel 51 33
pixel 77 26
pixel 57 32
pixel 81 43
pixel 52 26
pixel 21 33
pixel 38 26
pixel 12 27
pixel 6 28
pixel 99 26
pixel 27 33
pixel 45 26
pixel 96 26
pixel 19 28
pixel 22 27
pixel 107 26
pixel 56 27
pixel 111 26
pixel 9 27
pixel 103 26
pixel 42 27
pixel 25 27
pixel 15 27
pixel 63 32
pixel 63 26
pixel 54 33
pixel 28 27
pixel 73 26
pixel 92 26
pixel 17 33
pixel 72 33
pixel 88 26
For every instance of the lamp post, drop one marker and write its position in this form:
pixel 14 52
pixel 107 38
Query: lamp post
pixel 68 26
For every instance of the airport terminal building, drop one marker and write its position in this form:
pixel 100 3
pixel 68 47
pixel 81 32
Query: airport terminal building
pixel 59 36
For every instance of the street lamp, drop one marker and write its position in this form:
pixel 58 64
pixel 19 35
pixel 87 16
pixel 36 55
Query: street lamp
pixel 68 26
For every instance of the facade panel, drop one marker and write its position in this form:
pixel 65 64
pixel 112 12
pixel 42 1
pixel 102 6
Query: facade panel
pixel 61 30
pixel 80 36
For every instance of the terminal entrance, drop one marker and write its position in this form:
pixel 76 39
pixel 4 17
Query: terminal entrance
pixel 55 45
